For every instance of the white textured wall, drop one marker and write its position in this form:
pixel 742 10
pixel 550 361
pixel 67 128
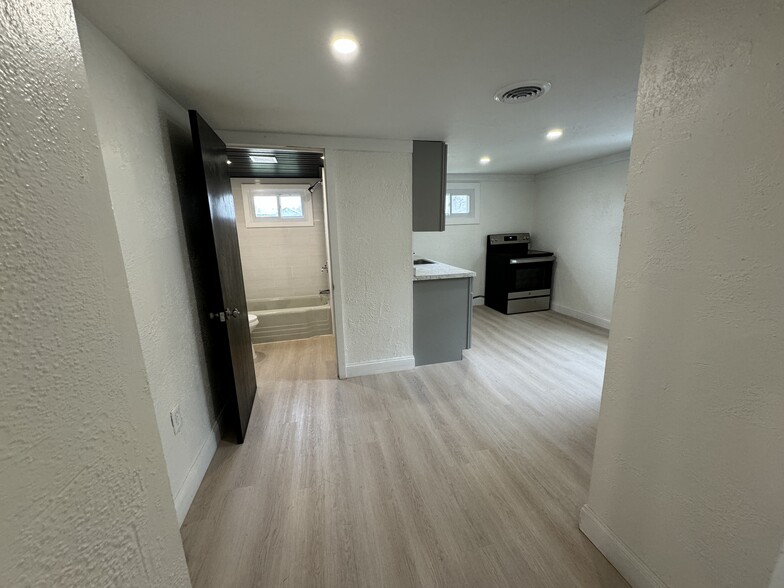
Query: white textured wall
pixel 506 206
pixel 579 210
pixel 282 261
pixel 371 194
pixel 146 140
pixel 84 496
pixel 688 462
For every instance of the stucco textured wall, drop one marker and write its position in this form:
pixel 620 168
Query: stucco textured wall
pixel 84 496
pixel 372 195
pixel 507 206
pixel 687 469
pixel 146 142
pixel 579 210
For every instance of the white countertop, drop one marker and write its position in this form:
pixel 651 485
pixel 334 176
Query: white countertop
pixel 440 271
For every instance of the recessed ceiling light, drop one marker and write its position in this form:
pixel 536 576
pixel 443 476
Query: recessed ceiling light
pixel 263 159
pixel 554 134
pixel 484 160
pixel 345 45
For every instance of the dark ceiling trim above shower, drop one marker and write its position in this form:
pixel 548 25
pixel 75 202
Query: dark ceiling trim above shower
pixel 291 164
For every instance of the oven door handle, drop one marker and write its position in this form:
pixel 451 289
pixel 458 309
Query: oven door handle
pixel 531 260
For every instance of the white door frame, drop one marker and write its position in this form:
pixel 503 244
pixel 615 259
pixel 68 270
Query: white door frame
pixel 333 264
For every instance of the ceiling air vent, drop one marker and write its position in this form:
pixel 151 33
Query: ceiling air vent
pixel 522 92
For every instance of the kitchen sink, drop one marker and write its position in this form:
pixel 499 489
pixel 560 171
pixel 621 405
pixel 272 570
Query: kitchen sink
pixel 422 261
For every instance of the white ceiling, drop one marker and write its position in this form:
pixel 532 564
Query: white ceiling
pixel 427 69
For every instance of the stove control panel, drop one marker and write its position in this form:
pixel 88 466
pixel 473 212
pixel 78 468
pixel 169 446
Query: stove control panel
pixel 510 239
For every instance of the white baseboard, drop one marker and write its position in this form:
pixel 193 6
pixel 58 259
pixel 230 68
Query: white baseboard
pixel 186 493
pixel 381 366
pixel 582 316
pixel 478 301
pixel 631 567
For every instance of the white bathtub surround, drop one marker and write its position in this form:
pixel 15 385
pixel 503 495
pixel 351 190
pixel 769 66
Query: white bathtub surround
pixel 282 261
pixel 288 318
pixel 507 204
pixel 579 210
pixel 440 271
pixel 143 162
pixel 84 495
pixel 687 470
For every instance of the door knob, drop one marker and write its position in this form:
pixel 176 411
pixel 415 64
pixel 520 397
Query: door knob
pixel 226 314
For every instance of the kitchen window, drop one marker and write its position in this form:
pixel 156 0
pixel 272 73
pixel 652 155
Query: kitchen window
pixel 462 204
pixel 283 205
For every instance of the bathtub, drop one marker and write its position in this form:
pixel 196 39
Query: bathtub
pixel 293 317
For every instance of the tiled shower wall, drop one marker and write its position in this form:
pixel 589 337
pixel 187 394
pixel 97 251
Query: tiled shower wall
pixel 282 261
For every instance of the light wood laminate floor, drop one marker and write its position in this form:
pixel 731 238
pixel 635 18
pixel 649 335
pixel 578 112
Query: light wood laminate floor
pixel 462 474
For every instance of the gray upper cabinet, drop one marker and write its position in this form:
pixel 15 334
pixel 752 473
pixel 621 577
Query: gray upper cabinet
pixel 429 185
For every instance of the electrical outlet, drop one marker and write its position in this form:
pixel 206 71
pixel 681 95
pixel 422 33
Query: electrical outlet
pixel 176 419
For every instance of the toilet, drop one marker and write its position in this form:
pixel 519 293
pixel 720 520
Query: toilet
pixel 253 322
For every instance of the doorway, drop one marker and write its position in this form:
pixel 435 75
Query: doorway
pixel 280 199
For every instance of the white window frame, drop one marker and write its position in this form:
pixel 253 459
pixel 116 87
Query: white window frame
pixel 253 222
pixel 472 189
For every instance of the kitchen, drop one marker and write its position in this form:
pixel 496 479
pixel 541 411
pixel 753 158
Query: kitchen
pixel 552 239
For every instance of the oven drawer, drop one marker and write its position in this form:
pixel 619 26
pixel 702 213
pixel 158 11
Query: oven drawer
pixel 528 304
pixel 528 294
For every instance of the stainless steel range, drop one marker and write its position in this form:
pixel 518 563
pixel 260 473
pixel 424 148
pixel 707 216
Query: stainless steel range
pixel 517 279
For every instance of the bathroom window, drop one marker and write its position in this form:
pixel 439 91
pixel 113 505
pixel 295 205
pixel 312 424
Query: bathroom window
pixel 281 205
pixel 462 204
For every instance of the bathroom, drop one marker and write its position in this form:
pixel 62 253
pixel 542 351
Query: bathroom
pixel 279 200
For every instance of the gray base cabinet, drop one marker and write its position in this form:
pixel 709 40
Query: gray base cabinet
pixel 442 319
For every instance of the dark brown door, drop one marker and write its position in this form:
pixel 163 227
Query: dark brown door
pixel 212 221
